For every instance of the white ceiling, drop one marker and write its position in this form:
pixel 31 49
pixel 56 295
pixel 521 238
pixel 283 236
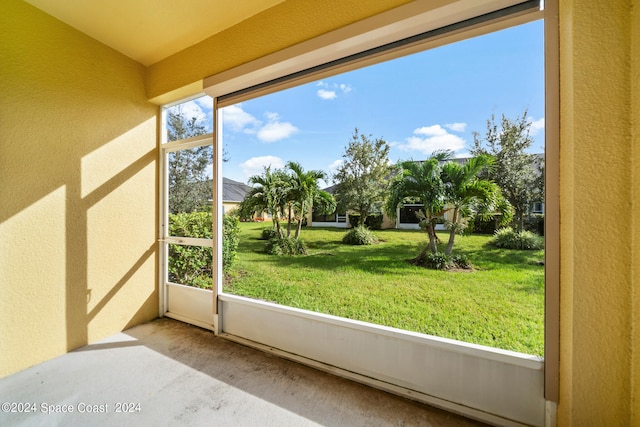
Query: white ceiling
pixel 151 30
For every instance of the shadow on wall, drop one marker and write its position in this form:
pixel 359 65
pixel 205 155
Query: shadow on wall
pixel 78 174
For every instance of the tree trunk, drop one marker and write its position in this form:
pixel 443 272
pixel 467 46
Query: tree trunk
pixel 289 220
pixel 277 223
pixel 432 239
pixel 420 258
pixel 519 220
pixel 452 232
pixel 299 228
pixel 431 247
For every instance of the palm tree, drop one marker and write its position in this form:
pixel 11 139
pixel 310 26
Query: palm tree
pixel 268 194
pixel 468 196
pixel 306 193
pixel 421 182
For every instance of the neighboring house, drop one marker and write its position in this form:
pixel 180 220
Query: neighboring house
pixel 233 193
pixel 537 206
pixel 406 218
pixel 335 219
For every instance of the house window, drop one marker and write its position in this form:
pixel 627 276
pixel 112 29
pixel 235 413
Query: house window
pixel 408 214
pixel 538 208
pixel 324 218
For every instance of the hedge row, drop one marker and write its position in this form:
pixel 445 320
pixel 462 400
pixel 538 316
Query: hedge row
pixel 192 265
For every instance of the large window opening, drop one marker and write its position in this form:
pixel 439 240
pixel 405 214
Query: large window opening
pixel 462 97
pixel 364 311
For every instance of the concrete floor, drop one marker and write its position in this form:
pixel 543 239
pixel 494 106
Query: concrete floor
pixel 169 373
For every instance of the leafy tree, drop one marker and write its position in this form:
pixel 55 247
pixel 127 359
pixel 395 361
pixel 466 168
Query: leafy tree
pixel 306 193
pixel 421 182
pixel 363 176
pixel 291 193
pixel 514 170
pixel 270 193
pixel 189 186
pixel 179 126
pixel 468 196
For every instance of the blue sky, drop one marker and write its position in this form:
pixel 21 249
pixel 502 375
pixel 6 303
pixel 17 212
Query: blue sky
pixel 420 103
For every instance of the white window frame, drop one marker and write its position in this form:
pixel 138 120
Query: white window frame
pixel 177 301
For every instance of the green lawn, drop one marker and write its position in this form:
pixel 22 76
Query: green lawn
pixel 500 304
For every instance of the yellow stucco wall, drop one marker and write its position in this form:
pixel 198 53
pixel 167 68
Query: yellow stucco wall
pixel 598 189
pixel 78 204
pixel 635 212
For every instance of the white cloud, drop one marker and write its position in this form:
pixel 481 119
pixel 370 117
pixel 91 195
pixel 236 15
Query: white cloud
pixel 428 139
pixel 205 102
pixel 536 125
pixel 330 91
pixel 275 130
pixel 434 130
pixel 237 119
pixel 333 167
pixel 327 94
pixel 456 127
pixel 345 88
pixel 256 165
pixel 191 109
pixel 271 116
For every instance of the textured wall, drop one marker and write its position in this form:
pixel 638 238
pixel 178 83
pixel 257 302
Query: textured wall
pixel 635 185
pixel 78 205
pixel 597 195
pixel 281 26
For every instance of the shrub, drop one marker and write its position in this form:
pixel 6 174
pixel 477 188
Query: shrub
pixel 441 261
pixel 374 222
pixel 507 238
pixel 268 233
pixel 191 224
pixel 438 261
pixel 461 261
pixel 230 240
pixel 359 235
pixel 285 246
pixel 354 220
pixel 535 224
pixel 479 226
pixel 191 265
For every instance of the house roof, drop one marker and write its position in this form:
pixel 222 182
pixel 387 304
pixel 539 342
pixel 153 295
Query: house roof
pixel 331 189
pixel 233 191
